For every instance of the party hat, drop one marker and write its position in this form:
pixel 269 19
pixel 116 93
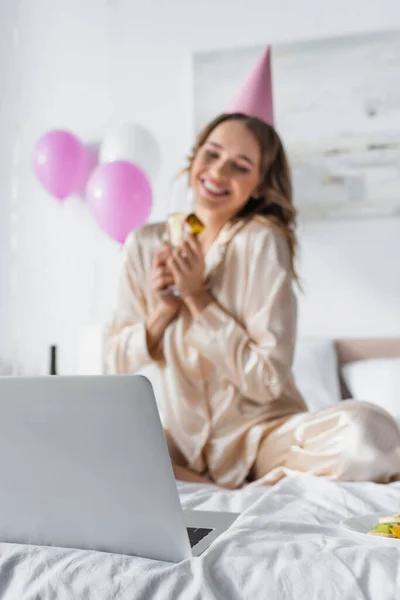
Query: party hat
pixel 255 97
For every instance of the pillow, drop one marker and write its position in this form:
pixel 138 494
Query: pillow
pixel 316 372
pixel 377 381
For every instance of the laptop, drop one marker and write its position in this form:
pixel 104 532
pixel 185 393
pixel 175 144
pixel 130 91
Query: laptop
pixel 84 464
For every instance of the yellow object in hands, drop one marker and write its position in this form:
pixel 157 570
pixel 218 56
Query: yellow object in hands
pixel 180 223
pixel 196 226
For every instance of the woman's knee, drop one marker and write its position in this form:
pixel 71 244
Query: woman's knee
pixel 368 411
pixel 371 424
pixel 371 450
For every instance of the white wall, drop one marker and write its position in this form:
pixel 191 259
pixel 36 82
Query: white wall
pixel 351 279
pixel 90 64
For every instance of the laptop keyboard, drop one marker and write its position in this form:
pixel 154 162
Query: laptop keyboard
pixel 196 534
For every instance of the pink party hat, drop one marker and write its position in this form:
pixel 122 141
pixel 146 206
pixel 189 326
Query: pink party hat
pixel 255 97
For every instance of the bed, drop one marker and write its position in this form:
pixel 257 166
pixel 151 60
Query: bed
pixel 286 543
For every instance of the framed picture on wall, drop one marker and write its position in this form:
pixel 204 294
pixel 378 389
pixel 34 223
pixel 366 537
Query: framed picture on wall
pixel 337 109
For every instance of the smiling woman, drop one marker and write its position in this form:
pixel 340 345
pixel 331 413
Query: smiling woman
pixel 225 345
pixel 239 168
pixel 219 170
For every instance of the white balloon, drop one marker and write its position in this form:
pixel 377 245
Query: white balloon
pixel 134 143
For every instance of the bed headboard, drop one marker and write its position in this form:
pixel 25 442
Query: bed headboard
pixel 362 349
pixel 350 350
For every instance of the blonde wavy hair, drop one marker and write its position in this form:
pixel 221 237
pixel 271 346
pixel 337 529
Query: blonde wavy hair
pixel 274 200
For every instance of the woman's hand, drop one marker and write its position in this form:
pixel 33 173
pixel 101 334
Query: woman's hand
pixel 167 307
pixel 162 279
pixel 187 267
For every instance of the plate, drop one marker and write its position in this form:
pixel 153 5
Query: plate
pixel 358 526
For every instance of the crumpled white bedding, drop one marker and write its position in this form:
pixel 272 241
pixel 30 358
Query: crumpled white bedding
pixel 286 544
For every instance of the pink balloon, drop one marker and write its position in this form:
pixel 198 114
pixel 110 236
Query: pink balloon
pixel 119 197
pixel 61 163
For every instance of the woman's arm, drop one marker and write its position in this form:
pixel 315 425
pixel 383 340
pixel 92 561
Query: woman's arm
pixel 155 327
pixel 255 355
pixel 132 338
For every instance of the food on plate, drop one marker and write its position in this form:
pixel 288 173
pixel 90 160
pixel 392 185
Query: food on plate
pixel 387 527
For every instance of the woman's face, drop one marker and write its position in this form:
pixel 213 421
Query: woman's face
pixel 226 170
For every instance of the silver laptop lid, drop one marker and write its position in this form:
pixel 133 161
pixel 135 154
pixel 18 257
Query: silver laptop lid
pixel 84 464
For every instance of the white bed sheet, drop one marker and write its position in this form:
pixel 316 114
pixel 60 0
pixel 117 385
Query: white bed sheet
pixel 286 544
